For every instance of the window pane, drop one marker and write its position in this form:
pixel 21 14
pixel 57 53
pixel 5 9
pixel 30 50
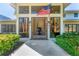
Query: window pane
pixel 8 28
pixel 66 27
pixel 77 27
pixel 54 26
pixel 75 14
pixel 3 28
pixel 74 28
pixel 23 9
pixel 57 24
pixel 70 28
pixel 55 9
pixel 23 26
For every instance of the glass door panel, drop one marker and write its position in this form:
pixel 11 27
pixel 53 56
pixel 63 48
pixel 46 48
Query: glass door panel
pixel 24 26
pixel 54 26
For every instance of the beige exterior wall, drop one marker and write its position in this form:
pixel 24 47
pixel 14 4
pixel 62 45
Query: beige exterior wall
pixel 7 22
pixel 71 22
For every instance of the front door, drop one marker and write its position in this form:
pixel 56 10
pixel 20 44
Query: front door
pixel 39 28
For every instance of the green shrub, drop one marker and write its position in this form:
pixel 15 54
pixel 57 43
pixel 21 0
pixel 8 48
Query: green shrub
pixel 69 42
pixel 7 41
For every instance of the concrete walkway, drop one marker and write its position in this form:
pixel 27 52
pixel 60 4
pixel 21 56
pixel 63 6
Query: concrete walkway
pixel 24 50
pixel 46 48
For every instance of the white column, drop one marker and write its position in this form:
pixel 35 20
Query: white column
pixel 17 26
pixel 30 33
pixel 17 21
pixel 48 27
pixel 30 28
pixel 61 21
pixel 63 28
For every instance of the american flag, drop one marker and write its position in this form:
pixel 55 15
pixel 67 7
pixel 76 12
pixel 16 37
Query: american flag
pixel 45 10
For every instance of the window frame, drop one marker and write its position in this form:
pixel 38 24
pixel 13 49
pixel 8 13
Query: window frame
pixel 75 14
pixel 72 26
pixel 8 28
pixel 24 11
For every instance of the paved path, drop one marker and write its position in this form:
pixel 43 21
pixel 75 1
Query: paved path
pixel 24 50
pixel 46 48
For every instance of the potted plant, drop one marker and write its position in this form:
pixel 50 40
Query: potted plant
pixel 25 34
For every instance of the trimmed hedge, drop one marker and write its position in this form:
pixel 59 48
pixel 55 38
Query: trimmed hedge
pixel 7 42
pixel 69 42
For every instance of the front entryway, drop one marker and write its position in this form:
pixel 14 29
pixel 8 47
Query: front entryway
pixel 39 28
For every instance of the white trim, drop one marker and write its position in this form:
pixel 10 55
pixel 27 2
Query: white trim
pixel 30 21
pixel 48 28
pixel 61 21
pixel 17 21
pixel 30 31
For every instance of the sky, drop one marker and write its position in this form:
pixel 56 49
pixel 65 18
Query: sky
pixel 7 10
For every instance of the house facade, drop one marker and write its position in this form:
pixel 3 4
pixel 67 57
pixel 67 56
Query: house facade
pixel 71 18
pixel 32 25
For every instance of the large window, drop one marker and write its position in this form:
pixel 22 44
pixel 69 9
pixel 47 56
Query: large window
pixel 55 9
pixel 66 27
pixel 74 28
pixel 54 26
pixel 23 9
pixel 71 27
pixel 8 28
pixel 36 9
pixel 24 26
pixel 77 27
